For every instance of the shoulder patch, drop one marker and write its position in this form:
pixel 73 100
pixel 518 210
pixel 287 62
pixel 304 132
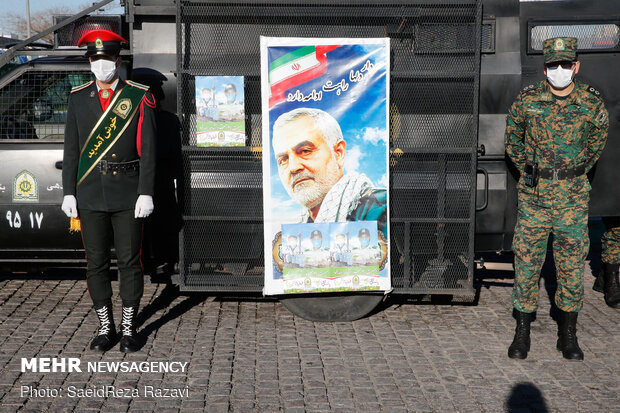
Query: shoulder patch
pixel 138 85
pixel 532 89
pixel 594 91
pixel 80 87
pixel 525 89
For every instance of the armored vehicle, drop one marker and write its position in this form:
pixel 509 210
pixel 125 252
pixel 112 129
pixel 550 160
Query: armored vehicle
pixel 456 66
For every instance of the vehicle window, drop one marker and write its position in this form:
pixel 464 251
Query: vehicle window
pixel 589 36
pixel 34 106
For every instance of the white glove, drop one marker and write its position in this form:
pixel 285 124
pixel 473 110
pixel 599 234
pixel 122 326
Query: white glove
pixel 69 206
pixel 144 206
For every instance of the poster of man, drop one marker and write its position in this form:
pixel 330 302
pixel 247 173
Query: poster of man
pixel 220 111
pixel 325 114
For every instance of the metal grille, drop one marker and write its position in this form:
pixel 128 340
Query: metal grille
pixel 589 36
pixel 434 94
pixel 34 105
pixel 71 33
pixel 487 41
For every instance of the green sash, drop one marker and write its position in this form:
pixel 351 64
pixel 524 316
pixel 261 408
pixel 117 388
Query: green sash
pixel 109 129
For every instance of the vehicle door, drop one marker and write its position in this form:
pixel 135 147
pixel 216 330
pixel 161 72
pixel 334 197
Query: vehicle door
pixel 33 109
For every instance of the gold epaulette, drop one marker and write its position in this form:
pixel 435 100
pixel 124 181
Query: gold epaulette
pixel 80 87
pixel 136 84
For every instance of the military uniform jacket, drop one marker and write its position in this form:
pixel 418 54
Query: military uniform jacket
pixel 558 133
pixel 109 192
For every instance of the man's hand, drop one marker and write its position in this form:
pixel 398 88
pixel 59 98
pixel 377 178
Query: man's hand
pixel 69 206
pixel 144 206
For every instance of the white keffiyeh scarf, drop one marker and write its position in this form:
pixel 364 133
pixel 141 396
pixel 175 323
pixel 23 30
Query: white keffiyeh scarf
pixel 342 199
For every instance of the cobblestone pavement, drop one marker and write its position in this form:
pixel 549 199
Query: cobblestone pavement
pixel 252 354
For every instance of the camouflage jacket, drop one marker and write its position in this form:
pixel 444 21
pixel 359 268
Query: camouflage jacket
pixel 559 133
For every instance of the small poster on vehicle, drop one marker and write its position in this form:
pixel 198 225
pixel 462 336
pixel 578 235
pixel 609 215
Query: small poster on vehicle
pixel 220 111
pixel 325 164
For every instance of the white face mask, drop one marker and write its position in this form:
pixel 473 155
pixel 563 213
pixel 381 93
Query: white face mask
pixel 103 69
pixel 560 77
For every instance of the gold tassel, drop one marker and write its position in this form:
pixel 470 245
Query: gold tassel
pixel 75 225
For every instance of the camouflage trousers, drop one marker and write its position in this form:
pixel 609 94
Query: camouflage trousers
pixel 611 241
pixel 570 248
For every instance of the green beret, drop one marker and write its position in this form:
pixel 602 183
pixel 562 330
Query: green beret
pixel 560 49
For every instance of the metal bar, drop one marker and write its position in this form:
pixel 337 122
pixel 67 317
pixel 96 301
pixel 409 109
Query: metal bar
pixel 345 12
pixel 472 206
pixel 432 75
pixel 441 206
pixel 339 3
pixel 408 272
pixel 58 52
pixel 9 54
pixel 413 150
pixel 212 288
pixel 432 220
pixel 258 220
pixel 453 291
pixel 486 189
pixel 491 158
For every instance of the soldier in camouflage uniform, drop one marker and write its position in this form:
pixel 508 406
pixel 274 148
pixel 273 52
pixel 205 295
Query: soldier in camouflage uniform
pixel 608 281
pixel 555 132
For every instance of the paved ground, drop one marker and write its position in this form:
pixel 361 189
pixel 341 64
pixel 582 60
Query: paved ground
pixel 253 355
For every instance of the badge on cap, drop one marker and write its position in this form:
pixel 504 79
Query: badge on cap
pixel 559 45
pixel 99 42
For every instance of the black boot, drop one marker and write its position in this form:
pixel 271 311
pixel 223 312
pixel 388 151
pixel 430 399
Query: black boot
pixel 129 337
pixel 612 285
pixel 106 336
pixel 567 342
pixel 599 281
pixel 521 343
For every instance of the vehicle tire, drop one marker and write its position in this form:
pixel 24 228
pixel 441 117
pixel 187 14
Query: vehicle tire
pixel 340 307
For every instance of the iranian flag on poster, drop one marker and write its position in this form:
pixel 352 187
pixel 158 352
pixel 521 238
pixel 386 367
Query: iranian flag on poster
pixel 298 66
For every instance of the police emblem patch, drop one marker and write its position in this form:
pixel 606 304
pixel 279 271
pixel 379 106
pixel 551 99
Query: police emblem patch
pixel 98 43
pixel 25 188
pixel 105 93
pixel 559 45
pixel 123 108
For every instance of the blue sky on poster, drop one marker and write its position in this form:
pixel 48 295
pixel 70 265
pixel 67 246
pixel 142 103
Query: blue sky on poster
pixel 220 82
pixel 360 111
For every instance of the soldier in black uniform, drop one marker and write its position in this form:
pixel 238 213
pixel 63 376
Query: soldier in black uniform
pixel 108 180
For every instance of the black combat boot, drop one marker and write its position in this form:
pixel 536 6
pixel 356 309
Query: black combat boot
pixel 567 342
pixel 599 281
pixel 106 337
pixel 521 343
pixel 611 285
pixel 129 337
